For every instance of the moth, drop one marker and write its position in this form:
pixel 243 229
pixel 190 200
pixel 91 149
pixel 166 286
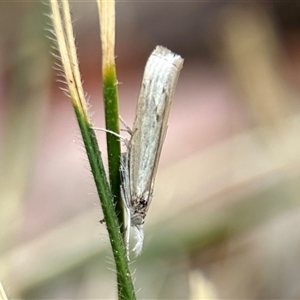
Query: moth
pixel 139 164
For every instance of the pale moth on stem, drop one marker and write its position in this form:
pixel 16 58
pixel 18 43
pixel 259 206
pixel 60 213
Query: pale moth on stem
pixel 139 164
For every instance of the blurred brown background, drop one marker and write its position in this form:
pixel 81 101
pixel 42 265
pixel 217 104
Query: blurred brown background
pixel 224 220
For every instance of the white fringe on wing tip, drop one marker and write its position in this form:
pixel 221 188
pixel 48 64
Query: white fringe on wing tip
pixel 139 237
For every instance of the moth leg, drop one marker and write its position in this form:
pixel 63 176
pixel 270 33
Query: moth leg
pixel 127 128
pixel 122 138
pixel 111 132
